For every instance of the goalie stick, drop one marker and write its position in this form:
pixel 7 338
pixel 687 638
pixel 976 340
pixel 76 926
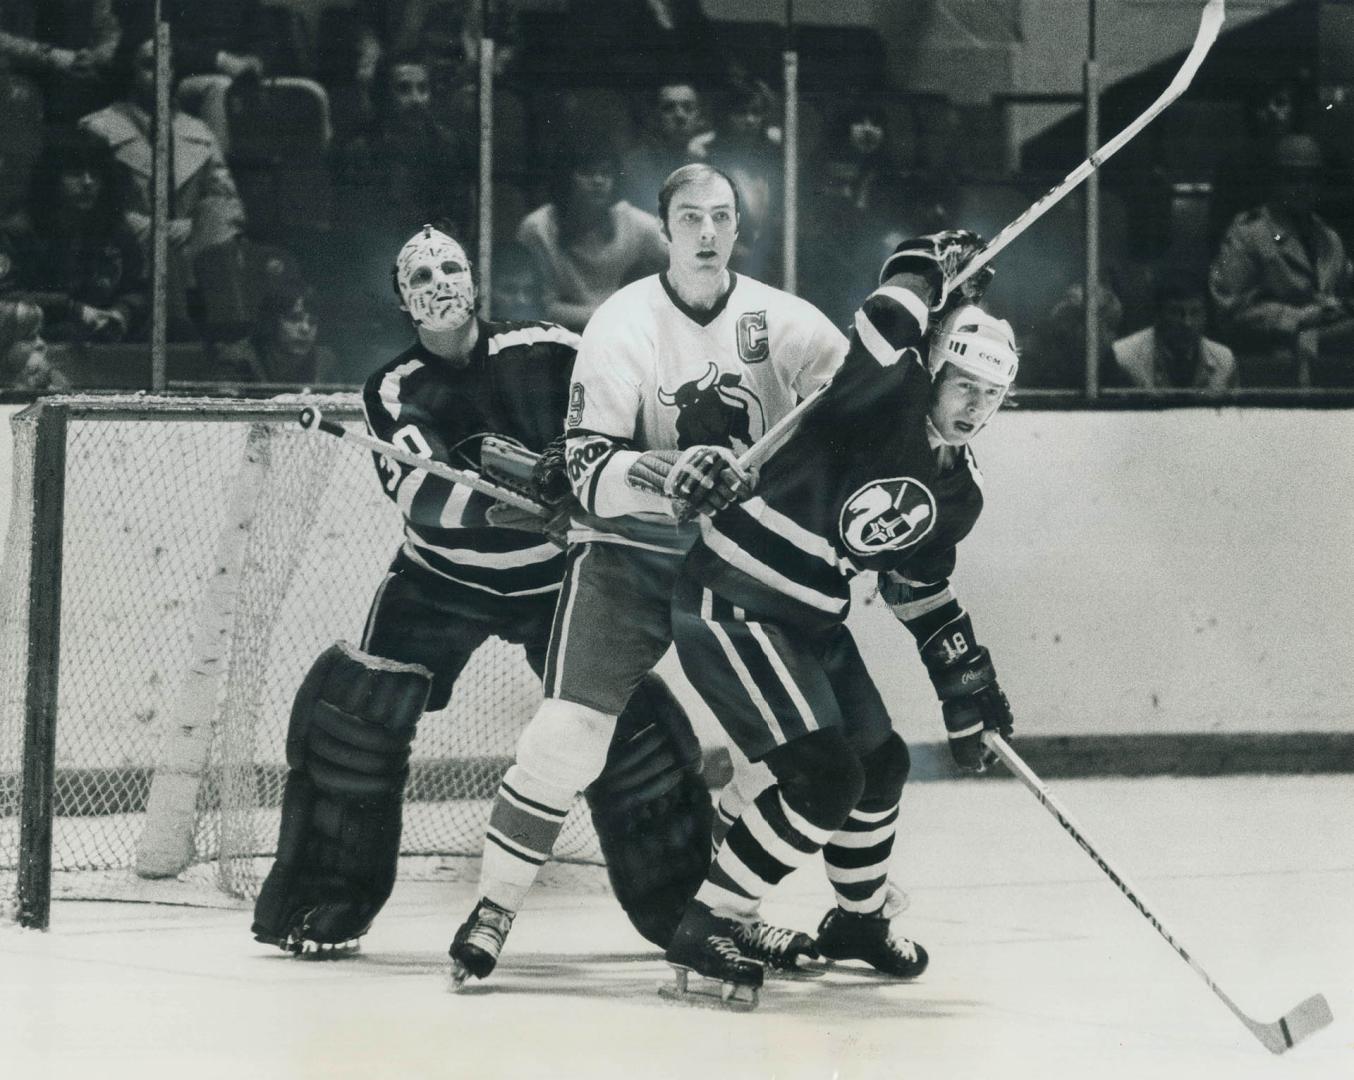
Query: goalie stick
pixel 1210 23
pixel 1293 1026
pixel 312 419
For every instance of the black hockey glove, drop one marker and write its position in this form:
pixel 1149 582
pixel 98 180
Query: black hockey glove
pixel 939 258
pixel 970 699
pixel 550 476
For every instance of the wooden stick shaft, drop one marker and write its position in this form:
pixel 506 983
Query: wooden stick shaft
pixel 312 420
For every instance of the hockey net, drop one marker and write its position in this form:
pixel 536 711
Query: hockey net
pixel 209 550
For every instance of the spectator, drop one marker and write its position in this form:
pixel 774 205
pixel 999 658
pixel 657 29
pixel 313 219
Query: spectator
pixel 1282 283
pixel 447 33
pixel 286 340
pixel 67 46
pixel 1173 351
pixel 1272 111
pixel 675 121
pixel 517 293
pixel 746 146
pixel 1055 356
pixel 854 161
pixel 24 363
pixel 588 241
pixel 406 166
pixel 348 60
pixel 71 253
pixel 205 210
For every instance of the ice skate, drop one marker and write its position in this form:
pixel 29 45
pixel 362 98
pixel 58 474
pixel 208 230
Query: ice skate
pixel 475 948
pixel 780 949
pixel 706 946
pixel 844 935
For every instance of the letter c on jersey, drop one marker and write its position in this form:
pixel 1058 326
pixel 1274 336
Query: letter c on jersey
pixel 754 341
pixel 887 515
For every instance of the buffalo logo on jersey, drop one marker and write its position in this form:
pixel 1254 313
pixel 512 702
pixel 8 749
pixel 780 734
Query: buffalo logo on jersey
pixel 754 341
pixel 716 410
pixel 887 515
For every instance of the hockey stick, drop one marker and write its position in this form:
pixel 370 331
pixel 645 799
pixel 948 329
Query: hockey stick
pixel 312 420
pixel 1210 23
pixel 1295 1025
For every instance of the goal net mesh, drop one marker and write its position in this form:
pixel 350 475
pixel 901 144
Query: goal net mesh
pixel 146 497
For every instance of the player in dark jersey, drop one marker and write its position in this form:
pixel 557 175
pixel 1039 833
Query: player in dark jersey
pixel 457 579
pixel 878 477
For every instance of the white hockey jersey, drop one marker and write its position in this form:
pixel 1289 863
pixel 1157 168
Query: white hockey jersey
pixel 654 374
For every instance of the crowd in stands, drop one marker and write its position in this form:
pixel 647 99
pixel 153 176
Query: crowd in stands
pixel 303 153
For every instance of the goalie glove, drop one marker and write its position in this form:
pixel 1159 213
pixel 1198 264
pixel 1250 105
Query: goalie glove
pixel 550 475
pixel 555 528
pixel 698 480
pixel 970 699
pixel 939 257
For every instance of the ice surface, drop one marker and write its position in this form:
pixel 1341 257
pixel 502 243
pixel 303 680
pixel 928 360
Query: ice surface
pixel 1039 967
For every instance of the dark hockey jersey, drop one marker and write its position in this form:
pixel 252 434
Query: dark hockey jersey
pixel 516 384
pixel 858 487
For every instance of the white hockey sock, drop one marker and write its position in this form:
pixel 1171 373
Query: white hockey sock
pixel 524 823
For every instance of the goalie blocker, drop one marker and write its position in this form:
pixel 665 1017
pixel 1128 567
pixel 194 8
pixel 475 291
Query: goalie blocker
pixel 352 724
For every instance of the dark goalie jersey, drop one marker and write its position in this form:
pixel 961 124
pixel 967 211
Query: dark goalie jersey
pixel 858 487
pixel 517 385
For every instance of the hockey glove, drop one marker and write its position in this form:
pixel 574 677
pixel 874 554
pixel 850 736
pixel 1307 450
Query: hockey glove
pixel 939 258
pixel 550 475
pixel 970 699
pixel 698 480
pixel 555 527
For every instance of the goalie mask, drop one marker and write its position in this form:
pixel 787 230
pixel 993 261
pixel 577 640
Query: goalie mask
pixel 975 342
pixel 432 274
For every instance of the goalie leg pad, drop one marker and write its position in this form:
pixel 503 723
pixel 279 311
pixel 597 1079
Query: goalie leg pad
pixel 652 812
pixel 352 723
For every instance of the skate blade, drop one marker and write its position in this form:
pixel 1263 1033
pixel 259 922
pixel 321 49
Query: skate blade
pixel 810 969
pixel 692 988
pixel 314 950
pixel 864 970
pixel 457 977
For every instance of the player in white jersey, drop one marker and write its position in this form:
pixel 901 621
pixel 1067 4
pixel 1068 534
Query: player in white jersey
pixel 675 374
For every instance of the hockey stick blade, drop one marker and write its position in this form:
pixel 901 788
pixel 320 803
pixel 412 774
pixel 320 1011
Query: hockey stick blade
pixel 1287 1031
pixel 312 419
pixel 1210 23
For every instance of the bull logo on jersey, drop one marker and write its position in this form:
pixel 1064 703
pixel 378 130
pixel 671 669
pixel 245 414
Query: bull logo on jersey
pixel 887 515
pixel 716 410
pixel 754 341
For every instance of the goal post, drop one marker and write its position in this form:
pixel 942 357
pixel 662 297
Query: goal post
pixel 172 568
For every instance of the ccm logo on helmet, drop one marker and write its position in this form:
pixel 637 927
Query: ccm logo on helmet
pixel 887 515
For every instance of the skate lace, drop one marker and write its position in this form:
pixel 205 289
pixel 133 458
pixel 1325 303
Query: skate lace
pixel 768 939
pixel 725 947
pixel 902 947
pixel 490 930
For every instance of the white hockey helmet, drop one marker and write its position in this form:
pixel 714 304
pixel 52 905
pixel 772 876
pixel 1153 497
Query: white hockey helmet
pixel 976 342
